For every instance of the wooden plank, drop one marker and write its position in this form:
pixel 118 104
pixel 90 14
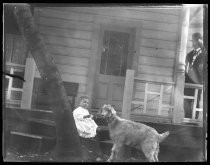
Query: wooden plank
pixel 9 39
pixel 144 69
pixel 163 10
pixel 15 66
pixel 120 12
pixel 167 27
pixel 189 97
pixel 161 35
pixel 157 9
pixel 74 78
pixel 128 94
pixel 26 134
pixel 82 88
pixel 69 77
pixel 195 104
pixel 152 25
pixel 155 43
pixel 69 51
pixel 189 85
pixel 153 119
pixel 77 70
pixel 137 40
pixel 67 15
pixel 70 33
pixel 28 85
pixel 66 24
pixel 145 98
pixel 162 62
pixel 69 42
pixel 155 78
pixel 19 50
pixel 140 95
pixel 160 101
pixel 42 121
pixel 167 89
pixel 68 60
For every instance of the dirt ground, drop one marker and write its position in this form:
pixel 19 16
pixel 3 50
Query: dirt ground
pixel 167 154
pixel 12 155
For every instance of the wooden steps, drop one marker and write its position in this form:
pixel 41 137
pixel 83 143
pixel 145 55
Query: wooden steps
pixel 23 141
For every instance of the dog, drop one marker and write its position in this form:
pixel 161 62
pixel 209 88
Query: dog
pixel 137 135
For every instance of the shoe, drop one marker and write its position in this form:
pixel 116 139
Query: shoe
pixel 98 159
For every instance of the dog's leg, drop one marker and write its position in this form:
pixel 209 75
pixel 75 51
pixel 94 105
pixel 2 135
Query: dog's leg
pixel 156 153
pixel 149 150
pixel 112 153
pixel 115 150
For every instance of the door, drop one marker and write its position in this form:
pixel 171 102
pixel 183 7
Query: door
pixel 115 47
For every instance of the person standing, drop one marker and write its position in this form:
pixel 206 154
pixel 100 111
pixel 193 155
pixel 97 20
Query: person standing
pixel 194 71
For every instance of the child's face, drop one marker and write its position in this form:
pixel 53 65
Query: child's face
pixel 84 103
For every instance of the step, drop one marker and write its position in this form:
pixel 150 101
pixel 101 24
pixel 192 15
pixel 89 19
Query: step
pixel 42 121
pixel 107 141
pixel 26 134
pixel 31 135
pixel 26 142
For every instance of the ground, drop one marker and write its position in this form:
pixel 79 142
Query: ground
pixel 167 154
pixel 12 155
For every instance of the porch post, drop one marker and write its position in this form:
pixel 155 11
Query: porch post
pixel 28 85
pixel 178 113
pixel 128 94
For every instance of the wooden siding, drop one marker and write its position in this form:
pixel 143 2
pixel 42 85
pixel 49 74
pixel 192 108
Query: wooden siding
pixel 68 33
pixel 68 38
pixel 16 49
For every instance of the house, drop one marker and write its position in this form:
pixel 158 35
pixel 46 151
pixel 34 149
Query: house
pixel 130 57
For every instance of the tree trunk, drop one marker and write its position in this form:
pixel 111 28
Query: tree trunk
pixel 67 143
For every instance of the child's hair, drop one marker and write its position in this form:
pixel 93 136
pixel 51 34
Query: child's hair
pixel 83 97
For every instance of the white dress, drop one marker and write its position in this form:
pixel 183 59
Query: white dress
pixel 85 127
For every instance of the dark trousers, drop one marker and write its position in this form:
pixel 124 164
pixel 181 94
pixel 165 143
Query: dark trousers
pixel 92 144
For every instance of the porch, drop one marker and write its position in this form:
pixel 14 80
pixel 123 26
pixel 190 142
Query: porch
pixel 138 109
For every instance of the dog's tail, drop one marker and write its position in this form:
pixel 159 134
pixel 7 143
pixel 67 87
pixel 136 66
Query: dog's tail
pixel 163 136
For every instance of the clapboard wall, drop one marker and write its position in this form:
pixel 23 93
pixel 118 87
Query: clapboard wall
pixel 68 35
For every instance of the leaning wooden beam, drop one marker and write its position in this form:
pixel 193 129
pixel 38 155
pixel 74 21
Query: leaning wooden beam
pixel 67 143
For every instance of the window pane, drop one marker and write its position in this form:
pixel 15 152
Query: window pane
pixel 6 83
pixel 17 83
pixel 16 95
pixel 114 54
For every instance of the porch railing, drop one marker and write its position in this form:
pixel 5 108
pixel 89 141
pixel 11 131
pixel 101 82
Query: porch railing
pixel 9 98
pixel 196 106
pixel 155 94
pixel 128 100
pixel 26 90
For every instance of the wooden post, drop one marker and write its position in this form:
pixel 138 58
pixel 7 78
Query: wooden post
pixel 178 113
pixel 28 85
pixel 92 61
pixel 128 94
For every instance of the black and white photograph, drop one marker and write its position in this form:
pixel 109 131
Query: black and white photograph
pixel 104 82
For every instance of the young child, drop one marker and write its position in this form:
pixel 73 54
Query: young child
pixel 85 124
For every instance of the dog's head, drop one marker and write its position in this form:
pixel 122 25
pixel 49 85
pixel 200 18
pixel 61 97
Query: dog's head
pixel 107 111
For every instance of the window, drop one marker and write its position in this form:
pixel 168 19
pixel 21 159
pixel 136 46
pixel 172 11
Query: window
pixel 114 53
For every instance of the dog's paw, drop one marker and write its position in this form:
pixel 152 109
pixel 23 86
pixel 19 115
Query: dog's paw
pixel 109 160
